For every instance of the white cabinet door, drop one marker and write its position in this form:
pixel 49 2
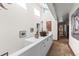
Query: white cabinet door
pixel 51 40
pixel 40 49
pixel 43 48
pixel 45 45
pixel 51 37
pixel 34 51
pixel 48 44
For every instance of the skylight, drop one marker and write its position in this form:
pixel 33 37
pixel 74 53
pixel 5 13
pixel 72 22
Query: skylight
pixel 23 5
pixel 36 12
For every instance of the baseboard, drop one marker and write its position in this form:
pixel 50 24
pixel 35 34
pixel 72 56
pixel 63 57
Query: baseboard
pixel 71 50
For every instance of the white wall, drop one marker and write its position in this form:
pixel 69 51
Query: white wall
pixel 52 10
pixel 48 16
pixel 12 21
pixel 74 43
pixel 52 16
pixel 55 30
pixel 16 19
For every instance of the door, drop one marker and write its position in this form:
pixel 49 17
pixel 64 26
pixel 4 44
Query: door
pixel 43 48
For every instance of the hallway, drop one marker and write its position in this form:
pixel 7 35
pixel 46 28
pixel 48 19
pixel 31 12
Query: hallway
pixel 60 48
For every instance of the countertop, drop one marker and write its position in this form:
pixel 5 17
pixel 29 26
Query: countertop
pixel 30 42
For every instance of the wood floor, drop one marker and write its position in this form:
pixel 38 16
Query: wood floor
pixel 60 48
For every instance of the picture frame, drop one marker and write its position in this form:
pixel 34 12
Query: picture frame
pixel 75 24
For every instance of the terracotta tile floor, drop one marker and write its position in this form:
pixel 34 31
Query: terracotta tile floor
pixel 60 48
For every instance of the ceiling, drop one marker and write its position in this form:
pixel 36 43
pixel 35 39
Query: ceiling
pixel 62 10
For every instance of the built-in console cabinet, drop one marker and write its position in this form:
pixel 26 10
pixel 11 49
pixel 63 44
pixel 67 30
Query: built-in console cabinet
pixel 41 48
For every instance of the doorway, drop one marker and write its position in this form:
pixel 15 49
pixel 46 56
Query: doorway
pixel 63 28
